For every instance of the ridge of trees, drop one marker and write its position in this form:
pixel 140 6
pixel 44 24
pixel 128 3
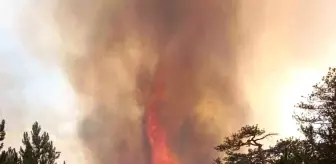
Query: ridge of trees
pixel 317 120
pixel 37 148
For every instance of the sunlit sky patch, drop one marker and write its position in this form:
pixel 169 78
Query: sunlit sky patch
pixel 30 91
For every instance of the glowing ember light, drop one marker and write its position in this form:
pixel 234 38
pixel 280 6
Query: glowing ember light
pixel 156 133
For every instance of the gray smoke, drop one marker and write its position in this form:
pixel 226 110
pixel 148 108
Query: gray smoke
pixel 115 49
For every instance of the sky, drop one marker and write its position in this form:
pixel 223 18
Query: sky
pixel 293 43
pixel 32 91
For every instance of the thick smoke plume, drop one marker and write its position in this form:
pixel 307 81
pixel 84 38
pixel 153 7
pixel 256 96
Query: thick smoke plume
pixel 115 49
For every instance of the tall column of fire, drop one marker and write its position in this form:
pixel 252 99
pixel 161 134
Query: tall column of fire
pixel 160 152
pixel 192 45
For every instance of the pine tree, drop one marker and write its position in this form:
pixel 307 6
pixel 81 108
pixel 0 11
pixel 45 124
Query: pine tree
pixel 247 136
pixel 318 119
pixel 38 149
pixel 292 151
pixel 2 133
pixel 2 137
pixel 11 156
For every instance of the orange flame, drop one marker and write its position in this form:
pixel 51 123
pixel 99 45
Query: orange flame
pixel 161 154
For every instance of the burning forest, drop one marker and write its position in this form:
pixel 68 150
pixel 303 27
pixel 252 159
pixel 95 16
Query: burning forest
pixel 164 81
pixel 157 79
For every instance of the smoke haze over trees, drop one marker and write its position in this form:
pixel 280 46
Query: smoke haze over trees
pixel 317 119
pixel 115 45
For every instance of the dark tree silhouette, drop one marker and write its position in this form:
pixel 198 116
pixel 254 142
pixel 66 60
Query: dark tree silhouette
pixel 285 151
pixel 247 136
pixel 2 133
pixel 10 156
pixel 318 118
pixel 38 149
pixel 292 151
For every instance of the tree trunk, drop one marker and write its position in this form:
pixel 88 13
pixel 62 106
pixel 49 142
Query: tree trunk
pixel 261 154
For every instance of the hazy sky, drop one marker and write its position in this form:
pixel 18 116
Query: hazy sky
pixel 30 91
pixel 293 44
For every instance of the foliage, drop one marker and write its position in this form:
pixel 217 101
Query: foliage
pixel 10 157
pixel 37 148
pixel 292 151
pixel 317 120
pixel 2 133
pixel 249 137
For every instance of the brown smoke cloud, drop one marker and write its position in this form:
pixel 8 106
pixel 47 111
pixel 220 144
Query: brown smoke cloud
pixel 112 48
pixel 118 47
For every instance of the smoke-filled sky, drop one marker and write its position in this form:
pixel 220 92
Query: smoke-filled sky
pixel 30 91
pixel 286 47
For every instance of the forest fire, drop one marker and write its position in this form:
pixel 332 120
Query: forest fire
pixel 161 153
pixel 221 57
pixel 166 70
